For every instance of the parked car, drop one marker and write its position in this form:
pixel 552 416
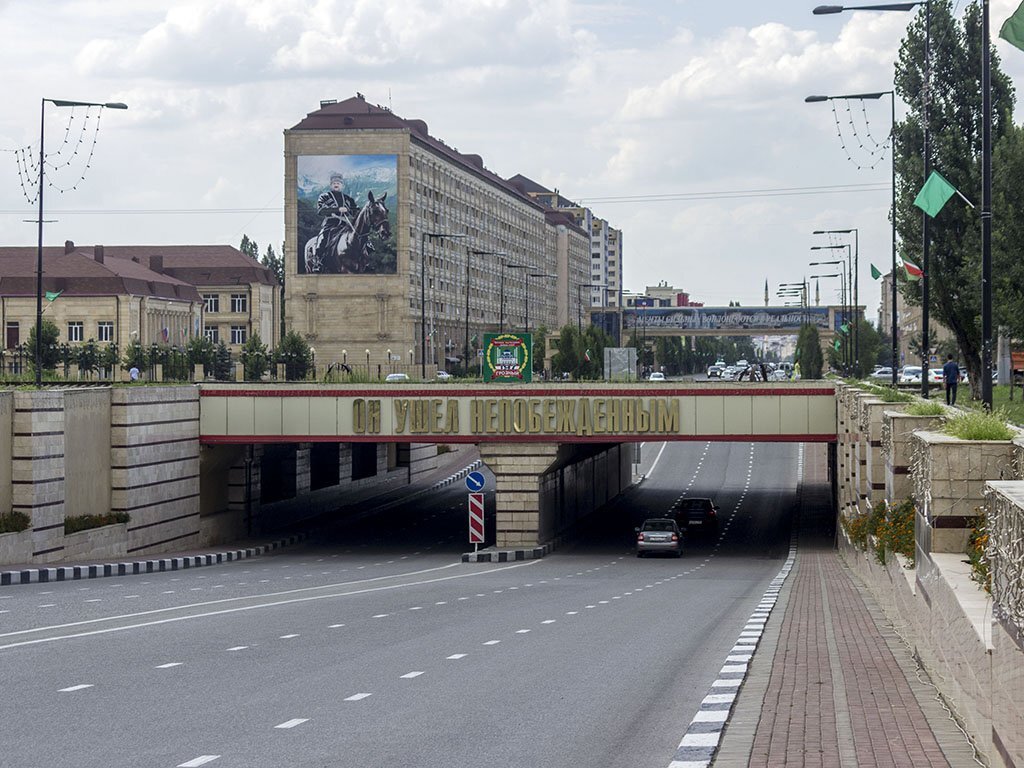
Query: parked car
pixel 394 378
pixel 659 534
pixel 910 374
pixel 881 374
pixel 714 372
pixel 935 376
pixel 656 376
pixel 443 376
pixel 696 514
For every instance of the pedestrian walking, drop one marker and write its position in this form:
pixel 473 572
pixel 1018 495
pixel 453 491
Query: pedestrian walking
pixel 951 375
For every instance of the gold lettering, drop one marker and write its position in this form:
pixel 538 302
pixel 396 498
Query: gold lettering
pixel 477 417
pixel 536 420
pixel 373 417
pixel 492 416
pixel 451 418
pixel 549 416
pixel 599 415
pixel 643 417
pixel 418 422
pixel 401 414
pixel 613 415
pixel 583 424
pixel 566 420
pixel 359 416
pixel 436 417
pixel 627 415
pixel 504 417
pixel 668 417
pixel 520 415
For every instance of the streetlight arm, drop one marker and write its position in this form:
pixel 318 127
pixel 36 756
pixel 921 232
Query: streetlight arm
pixel 825 10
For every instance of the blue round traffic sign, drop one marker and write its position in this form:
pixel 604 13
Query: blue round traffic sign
pixel 475 481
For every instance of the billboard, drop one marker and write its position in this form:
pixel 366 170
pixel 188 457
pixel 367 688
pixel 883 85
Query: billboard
pixel 507 357
pixel 727 319
pixel 347 214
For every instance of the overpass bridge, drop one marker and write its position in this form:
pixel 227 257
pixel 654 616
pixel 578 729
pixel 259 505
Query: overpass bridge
pixel 556 450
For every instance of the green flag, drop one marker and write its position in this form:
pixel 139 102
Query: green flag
pixel 1012 30
pixel 875 274
pixel 837 345
pixel 52 295
pixel 934 194
pixel 845 328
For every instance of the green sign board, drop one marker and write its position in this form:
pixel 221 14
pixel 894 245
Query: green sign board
pixel 507 357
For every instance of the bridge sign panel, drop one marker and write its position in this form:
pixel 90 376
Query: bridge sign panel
pixel 476 518
pixel 475 481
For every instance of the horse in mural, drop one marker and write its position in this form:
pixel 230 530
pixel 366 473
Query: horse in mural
pixel 345 249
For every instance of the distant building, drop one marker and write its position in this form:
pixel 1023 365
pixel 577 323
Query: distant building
pixel 909 321
pixel 155 294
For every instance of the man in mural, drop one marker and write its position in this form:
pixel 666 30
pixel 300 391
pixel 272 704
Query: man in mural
pixel 339 212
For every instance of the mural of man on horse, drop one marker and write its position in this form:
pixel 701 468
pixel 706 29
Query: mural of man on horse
pixel 339 212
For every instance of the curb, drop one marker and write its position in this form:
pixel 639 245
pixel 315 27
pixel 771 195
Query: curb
pixel 44 575
pixel 506 555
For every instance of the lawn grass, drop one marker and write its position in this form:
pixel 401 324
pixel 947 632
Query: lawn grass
pixel 1014 411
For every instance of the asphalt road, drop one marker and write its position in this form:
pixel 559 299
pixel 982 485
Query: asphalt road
pixel 377 647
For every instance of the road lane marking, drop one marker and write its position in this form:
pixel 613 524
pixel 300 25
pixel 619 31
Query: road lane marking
pixel 287 637
pixel 411 675
pixel 381 615
pixel 76 688
pixel 169 664
pixel 334 626
pixel 522 631
pixel 358 697
pixel 458 656
pixel 201 760
pixel 238 648
pixel 225 611
pixel 549 621
pixel 492 642
pixel 293 723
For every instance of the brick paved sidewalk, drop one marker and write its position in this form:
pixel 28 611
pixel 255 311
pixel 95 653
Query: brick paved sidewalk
pixel 832 685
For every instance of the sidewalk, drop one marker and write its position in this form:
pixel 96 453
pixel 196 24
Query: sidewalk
pixel 832 685
pixel 451 467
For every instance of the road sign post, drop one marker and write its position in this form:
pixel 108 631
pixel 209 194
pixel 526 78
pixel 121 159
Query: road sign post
pixel 475 481
pixel 476 519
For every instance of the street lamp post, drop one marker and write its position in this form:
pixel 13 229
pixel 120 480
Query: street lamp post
pixel 39 249
pixel 473 252
pixel 842 293
pixel 926 157
pixel 856 278
pixel 423 293
pixel 848 288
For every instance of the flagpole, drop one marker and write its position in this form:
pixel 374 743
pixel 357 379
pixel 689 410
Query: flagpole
pixel 925 234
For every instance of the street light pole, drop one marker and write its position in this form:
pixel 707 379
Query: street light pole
pixel 423 293
pixel 504 263
pixel 39 248
pixel 842 286
pixel 986 214
pixel 472 252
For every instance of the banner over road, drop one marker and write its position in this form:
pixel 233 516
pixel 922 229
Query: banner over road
pixel 754 321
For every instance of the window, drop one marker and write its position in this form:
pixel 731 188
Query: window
pixel 238 334
pixel 212 332
pixel 12 334
pixel 239 302
pixel 75 332
pixel 104 331
pixel 211 302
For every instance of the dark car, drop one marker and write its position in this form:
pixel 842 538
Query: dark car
pixel 696 514
pixel 659 534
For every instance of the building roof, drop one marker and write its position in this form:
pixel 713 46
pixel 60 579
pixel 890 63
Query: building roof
pixel 357 114
pixel 170 272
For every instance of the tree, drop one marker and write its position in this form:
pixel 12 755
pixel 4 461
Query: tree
pixel 135 356
pixel 808 352
pixel 249 248
pixel 954 121
pixel 201 351
pixel 1008 236
pixel 109 359
pixel 275 264
pixel 296 356
pixel 222 363
pixel 254 357
pixel 88 357
pixel 50 351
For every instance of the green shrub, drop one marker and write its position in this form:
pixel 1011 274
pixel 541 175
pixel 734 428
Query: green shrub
pixel 926 408
pixel 979 425
pixel 890 395
pixel 78 523
pixel 14 522
pixel 977 543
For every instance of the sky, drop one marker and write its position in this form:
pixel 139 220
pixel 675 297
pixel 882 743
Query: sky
pixel 681 122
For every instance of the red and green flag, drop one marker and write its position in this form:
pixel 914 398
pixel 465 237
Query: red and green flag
pixel 586 355
pixel 913 271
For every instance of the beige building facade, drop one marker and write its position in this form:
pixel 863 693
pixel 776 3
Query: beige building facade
pixel 472 253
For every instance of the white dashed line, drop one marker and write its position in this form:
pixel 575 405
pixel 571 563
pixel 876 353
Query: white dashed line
pixel 76 688
pixel 334 626
pixel 169 664
pixel 287 637
pixel 238 648
pixel 411 675
pixel 201 760
pixel 293 723
pixel 457 656
pixel 381 615
pixel 358 696
pixel 549 621
pixel 522 631
pixel 492 642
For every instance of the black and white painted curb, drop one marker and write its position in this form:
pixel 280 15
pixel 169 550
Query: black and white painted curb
pixel 704 733
pixel 43 575
pixel 507 555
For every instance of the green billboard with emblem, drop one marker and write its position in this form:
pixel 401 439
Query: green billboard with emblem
pixel 507 357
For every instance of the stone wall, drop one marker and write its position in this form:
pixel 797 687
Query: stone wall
pixel 6 446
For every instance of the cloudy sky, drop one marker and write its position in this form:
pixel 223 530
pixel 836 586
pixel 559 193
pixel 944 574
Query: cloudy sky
pixel 682 122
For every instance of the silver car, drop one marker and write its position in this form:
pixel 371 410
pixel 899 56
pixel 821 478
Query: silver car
pixel 659 534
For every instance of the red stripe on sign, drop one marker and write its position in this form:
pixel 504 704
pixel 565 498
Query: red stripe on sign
pixel 476 518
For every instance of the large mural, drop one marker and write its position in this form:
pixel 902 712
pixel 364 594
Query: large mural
pixel 347 214
pixel 729 318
